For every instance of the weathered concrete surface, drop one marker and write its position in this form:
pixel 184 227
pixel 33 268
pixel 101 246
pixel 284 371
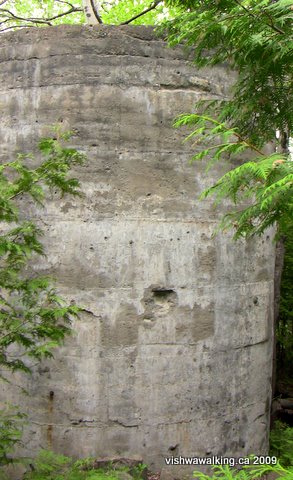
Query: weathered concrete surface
pixel 172 354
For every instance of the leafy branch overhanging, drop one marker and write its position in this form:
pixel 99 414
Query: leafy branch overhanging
pixel 34 319
pixel 261 187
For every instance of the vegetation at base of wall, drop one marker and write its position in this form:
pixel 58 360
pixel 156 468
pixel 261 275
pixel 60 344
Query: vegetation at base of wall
pixel 11 428
pixel 281 456
pixel 249 472
pixel 281 443
pixel 51 466
pixel 34 319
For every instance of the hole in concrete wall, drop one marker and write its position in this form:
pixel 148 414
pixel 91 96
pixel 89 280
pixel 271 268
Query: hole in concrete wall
pixel 173 448
pixel 163 293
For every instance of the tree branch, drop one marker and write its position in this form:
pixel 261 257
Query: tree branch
pixel 152 7
pixel 251 14
pixel 72 10
pixel 66 3
pixel 46 21
pixel 16 17
pixel 95 11
pixel 15 26
pixel 13 330
pixel 242 139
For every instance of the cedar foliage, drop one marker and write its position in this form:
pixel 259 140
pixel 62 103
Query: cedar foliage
pixel 253 38
pixel 260 188
pixel 33 318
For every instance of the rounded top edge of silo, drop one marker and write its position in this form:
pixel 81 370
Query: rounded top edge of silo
pixel 118 39
pixel 144 32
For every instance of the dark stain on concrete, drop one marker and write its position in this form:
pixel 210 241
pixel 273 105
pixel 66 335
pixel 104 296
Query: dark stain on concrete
pixel 50 426
pixel 197 322
pixel 124 330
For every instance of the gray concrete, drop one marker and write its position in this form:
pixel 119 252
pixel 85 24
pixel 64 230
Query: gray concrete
pixel 172 353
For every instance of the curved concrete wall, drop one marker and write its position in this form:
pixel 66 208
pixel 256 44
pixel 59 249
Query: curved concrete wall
pixel 172 354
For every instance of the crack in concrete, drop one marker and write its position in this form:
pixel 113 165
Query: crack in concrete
pixel 118 55
pixel 119 422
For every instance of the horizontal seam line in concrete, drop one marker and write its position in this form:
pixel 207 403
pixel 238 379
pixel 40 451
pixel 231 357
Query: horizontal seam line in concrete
pixel 105 55
pixel 96 423
pixel 189 287
pixel 240 347
pixel 142 86
pixel 196 89
pixel 135 219
pixel 192 344
pixel 229 348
